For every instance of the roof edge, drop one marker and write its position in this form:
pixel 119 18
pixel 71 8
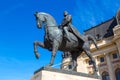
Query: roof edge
pixel 100 24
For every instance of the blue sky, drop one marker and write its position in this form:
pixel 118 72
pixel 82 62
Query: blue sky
pixel 18 30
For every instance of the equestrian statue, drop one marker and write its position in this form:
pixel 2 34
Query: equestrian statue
pixel 63 37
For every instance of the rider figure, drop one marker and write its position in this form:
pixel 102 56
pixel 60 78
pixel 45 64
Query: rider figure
pixel 67 26
pixel 66 22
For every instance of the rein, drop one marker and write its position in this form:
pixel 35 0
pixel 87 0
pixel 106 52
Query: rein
pixel 51 26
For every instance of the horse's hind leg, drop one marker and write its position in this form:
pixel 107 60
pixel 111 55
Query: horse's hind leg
pixel 54 50
pixel 74 65
pixel 36 43
pixel 74 60
pixel 87 51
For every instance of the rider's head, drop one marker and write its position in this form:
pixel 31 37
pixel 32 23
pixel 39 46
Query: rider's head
pixel 65 13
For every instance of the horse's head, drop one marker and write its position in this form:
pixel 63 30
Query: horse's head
pixel 39 19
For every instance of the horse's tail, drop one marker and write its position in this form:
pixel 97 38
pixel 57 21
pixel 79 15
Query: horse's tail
pixel 91 38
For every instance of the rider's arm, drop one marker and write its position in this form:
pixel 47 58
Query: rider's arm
pixel 67 20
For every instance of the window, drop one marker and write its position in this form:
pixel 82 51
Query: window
pixel 98 37
pixel 105 76
pixel 90 62
pixel 115 56
pixel 70 66
pixel 102 59
pixel 117 74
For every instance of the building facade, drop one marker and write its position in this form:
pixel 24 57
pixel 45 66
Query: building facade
pixel 107 57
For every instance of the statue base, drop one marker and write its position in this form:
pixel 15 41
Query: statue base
pixel 46 73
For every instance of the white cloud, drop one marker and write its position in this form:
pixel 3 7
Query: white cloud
pixel 91 12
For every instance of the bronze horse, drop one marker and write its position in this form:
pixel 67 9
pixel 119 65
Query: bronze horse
pixel 54 40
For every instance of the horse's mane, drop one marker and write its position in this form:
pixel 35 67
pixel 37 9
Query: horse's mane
pixel 48 15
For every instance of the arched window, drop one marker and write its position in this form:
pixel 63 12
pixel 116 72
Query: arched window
pixel 105 76
pixel 117 73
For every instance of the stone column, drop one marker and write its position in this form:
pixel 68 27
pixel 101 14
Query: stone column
pixel 116 39
pixel 118 46
pixel 110 67
pixel 97 63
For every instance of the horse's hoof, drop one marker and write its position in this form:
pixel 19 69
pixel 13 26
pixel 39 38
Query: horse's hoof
pixel 48 66
pixel 95 74
pixel 37 55
pixel 96 70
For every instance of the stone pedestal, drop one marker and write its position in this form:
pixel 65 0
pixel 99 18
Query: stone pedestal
pixel 57 74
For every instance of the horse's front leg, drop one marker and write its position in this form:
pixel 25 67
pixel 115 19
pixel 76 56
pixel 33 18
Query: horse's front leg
pixel 36 43
pixel 54 50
